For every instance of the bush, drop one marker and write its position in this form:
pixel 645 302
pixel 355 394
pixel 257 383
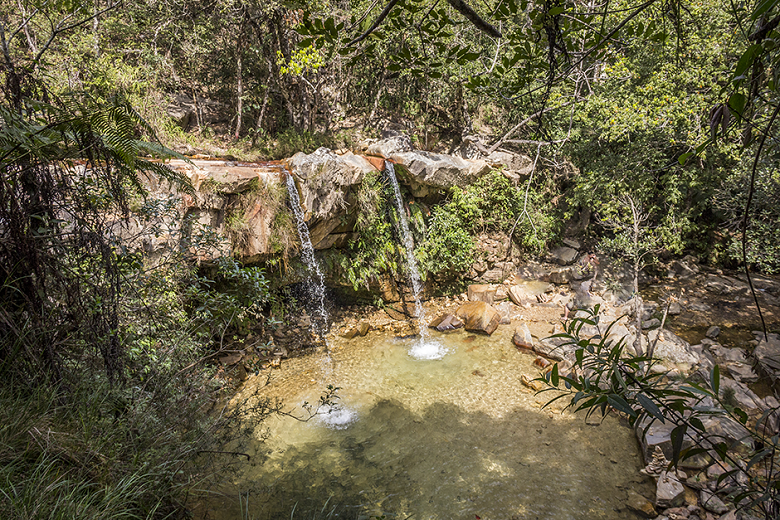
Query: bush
pixel 490 204
pixel 605 378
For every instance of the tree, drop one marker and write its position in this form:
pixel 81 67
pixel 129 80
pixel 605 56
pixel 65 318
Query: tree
pixel 68 164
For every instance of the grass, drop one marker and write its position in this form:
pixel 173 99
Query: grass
pixel 92 453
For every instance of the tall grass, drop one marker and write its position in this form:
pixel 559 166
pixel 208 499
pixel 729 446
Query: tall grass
pixel 93 453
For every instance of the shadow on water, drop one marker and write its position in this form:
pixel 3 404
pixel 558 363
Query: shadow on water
pixel 442 463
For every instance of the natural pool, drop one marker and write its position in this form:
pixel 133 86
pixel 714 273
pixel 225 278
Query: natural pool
pixel 457 437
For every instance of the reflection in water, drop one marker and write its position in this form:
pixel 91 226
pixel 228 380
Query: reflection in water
pixel 448 438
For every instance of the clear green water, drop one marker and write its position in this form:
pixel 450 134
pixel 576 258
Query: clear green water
pixel 458 437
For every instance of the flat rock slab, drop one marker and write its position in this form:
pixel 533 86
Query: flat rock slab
pixel 446 322
pixel 670 491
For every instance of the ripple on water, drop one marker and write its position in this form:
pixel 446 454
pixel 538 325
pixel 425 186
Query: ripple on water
pixel 338 417
pixel 457 437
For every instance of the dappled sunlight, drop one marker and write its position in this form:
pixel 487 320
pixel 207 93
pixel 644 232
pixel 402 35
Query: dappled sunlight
pixel 442 438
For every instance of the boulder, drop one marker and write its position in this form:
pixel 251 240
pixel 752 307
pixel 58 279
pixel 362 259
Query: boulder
pixel 522 337
pixel 651 324
pixel 446 322
pixel 713 332
pixel 670 491
pixel 711 502
pixel 513 162
pixel 391 145
pixel 482 293
pixel 685 268
pixel 671 347
pixel 518 295
pixel 553 348
pixel 428 172
pixel 767 352
pixel 560 276
pixel 742 372
pixel 363 328
pixel 640 505
pixel 563 255
pixel 657 436
pixel 479 317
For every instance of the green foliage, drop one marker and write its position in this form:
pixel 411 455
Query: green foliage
pixel 375 250
pixel 291 141
pixel 307 59
pixel 448 248
pixel 604 377
pixel 490 204
pixel 763 249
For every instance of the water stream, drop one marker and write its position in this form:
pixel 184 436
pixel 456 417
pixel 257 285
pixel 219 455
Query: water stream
pixel 316 280
pixel 458 438
pixel 424 348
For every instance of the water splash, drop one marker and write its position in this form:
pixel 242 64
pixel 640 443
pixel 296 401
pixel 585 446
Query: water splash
pixel 338 417
pixel 423 349
pixel 316 278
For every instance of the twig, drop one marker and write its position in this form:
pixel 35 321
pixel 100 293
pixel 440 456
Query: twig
pixel 751 189
pixel 525 204
pixel 236 453
pixel 522 123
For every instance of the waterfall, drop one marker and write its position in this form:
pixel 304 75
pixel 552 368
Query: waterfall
pixel 316 279
pixel 422 349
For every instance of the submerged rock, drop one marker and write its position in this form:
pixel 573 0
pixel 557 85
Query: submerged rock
pixel 522 337
pixel 713 332
pixel 479 317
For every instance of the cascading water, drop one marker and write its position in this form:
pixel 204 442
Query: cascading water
pixel 424 348
pixel 335 415
pixel 316 279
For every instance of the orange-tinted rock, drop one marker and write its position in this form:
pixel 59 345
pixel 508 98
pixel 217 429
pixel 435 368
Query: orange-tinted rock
pixel 479 317
pixel 376 162
pixel 446 322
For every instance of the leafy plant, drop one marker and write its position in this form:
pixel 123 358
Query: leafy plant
pixel 604 378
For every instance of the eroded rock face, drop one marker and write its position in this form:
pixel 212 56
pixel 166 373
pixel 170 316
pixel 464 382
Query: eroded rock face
pixel 327 182
pixel 229 198
pixel 427 172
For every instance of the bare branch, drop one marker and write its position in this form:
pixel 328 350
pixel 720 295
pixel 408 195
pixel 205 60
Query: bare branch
pixel 58 29
pixel 472 16
pixel 377 23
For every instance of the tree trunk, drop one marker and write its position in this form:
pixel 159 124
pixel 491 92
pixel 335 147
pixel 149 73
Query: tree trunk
pixel 259 125
pixel 637 311
pixel 239 91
